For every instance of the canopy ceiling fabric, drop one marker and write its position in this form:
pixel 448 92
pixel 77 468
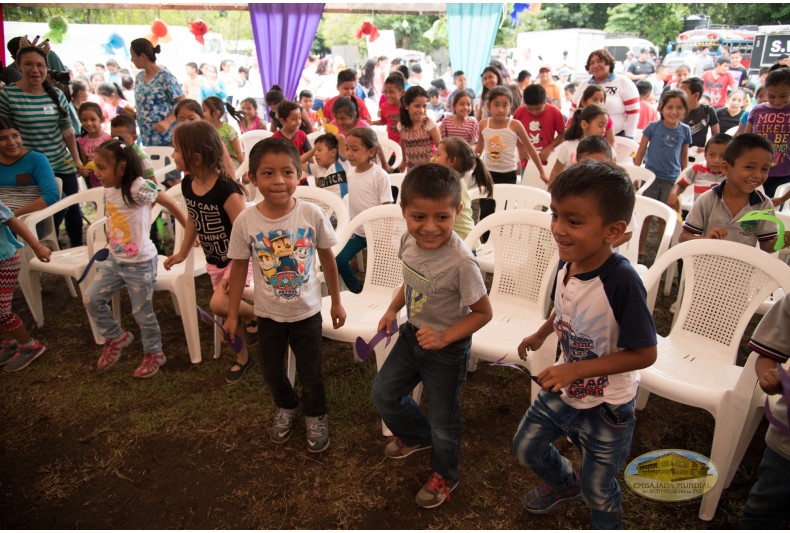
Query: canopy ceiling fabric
pixel 471 30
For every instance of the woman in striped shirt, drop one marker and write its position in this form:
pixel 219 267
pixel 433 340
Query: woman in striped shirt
pixel 38 109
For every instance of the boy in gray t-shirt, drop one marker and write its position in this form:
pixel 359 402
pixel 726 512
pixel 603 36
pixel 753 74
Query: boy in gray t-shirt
pixel 446 302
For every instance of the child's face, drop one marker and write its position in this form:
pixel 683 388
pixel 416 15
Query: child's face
pixel 207 111
pixel 90 121
pixel 434 100
pixel 760 96
pixel 596 126
pixel 714 154
pixel 580 232
pixel 347 88
pixel 489 80
pixel 107 171
pixel 10 143
pixel 460 82
pixel 357 153
pixel 324 156
pixel 704 99
pixel 441 157
pixel 178 158
pixel 568 95
pixel 692 99
pixel 499 107
pixel 463 107
pixel 778 95
pixel 735 102
pixel 292 121
pixel 673 110
pixel 187 115
pixel 537 110
pixel 306 102
pixel 96 80
pixel 597 98
pixel 344 121
pixel 682 74
pixel 749 171
pixel 430 222
pixel 392 94
pixel 276 178
pixel 191 71
pixel 417 109
pixel 124 133
pixel 210 73
pixel 248 110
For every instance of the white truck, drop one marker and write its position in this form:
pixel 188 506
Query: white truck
pixel 547 46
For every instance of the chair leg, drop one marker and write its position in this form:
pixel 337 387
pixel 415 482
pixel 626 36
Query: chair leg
pixel 187 307
pixel 217 338
pixel 70 286
pixel 30 285
pixel 641 398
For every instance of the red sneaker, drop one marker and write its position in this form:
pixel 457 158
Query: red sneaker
pixel 150 365
pixel 112 350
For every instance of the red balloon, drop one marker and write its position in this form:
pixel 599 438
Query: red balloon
pixel 159 28
pixel 198 28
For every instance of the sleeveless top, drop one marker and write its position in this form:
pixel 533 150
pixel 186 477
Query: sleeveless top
pixel 500 153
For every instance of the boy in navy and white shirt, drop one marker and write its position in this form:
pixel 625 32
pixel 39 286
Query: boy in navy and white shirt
pixel 331 166
pixel 607 334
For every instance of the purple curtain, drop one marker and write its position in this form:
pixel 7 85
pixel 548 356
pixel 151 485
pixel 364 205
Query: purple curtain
pixel 283 36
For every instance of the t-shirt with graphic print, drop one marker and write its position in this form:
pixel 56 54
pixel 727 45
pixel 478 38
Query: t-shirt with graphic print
pixel 699 120
pixel 439 285
pixel 599 313
pixel 211 221
pixel 774 125
pixel 286 288
pixel 333 178
pixel 129 227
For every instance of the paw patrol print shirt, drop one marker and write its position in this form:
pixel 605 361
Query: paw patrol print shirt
pixel 284 253
pixel 129 227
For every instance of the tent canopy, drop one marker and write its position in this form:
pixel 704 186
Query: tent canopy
pixel 334 7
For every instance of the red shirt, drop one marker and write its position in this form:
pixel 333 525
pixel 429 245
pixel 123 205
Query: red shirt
pixel 541 129
pixel 716 88
pixel 647 114
pixel 363 110
pixel 391 113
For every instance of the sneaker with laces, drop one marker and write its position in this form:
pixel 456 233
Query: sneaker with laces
pixel 317 433
pixel 396 449
pixel 150 365
pixel 283 424
pixel 435 492
pixel 543 498
pixel 112 350
pixel 8 350
pixel 24 356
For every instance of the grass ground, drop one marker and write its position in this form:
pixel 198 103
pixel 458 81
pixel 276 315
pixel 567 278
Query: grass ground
pixel 83 449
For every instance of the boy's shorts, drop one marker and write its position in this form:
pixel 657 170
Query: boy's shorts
pixel 218 274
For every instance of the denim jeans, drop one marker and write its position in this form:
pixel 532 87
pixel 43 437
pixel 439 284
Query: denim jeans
pixel 72 214
pixel 603 436
pixel 354 245
pixel 442 373
pixel 139 279
pixel 767 506
pixel 304 338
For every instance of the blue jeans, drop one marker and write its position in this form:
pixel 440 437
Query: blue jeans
pixel 354 245
pixel 139 279
pixel 442 373
pixel 304 337
pixel 603 436
pixel 767 507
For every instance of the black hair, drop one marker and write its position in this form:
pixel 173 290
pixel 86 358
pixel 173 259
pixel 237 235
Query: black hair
pixel 412 94
pixel 191 105
pixel 669 94
pixel 368 138
pixel 484 92
pixel 124 121
pixel 523 75
pixel 90 106
pixel 214 103
pixel 404 70
pixel 200 137
pixel 458 95
pixel 285 108
pixel 273 145
pixel 347 105
pixel 416 68
pixel 570 87
pixel 719 138
pixel 500 90
pixel 439 84
pixel 458 73
pixel 695 85
pixel 193 65
pixel 120 152
pixel 432 182
pixel 346 75
pixel 722 60
pixel 779 76
pixel 466 160
pixel 587 114
pixel 274 96
pixel 433 91
pixel 590 91
pixel 327 139
pixel 127 82
pixel 605 182
pixel 764 70
pixel 144 46
pixel 644 87
pixel 109 89
pixel 305 94
pixel 743 142
pixel 534 94
pixel 395 78
pixel 594 144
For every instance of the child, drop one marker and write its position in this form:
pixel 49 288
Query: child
pixel 346 115
pixel 703 177
pixel 346 86
pixel 647 113
pixel 389 109
pixel 18 349
pixel 434 104
pixel 543 122
pixel 114 99
pixel 595 148
pixel 133 260
pixel 715 214
pixel 455 153
pixel 730 116
pixel 368 186
pixel 418 132
pixel 699 117
pixel 460 124
pixel 190 111
pixel 213 110
pixel 212 85
pixel 766 507
pixel 668 155
pixel 289 114
pixel 125 127
pixel 459 80
pixel 718 82
pixel 214 200
pixel 446 302
pixel 287 293
pixel 760 98
pixel 331 166
pixel 250 120
pixel 772 121
pixel 591 203
pixel 306 101
pixel 92 136
pixel 587 121
pixel 273 99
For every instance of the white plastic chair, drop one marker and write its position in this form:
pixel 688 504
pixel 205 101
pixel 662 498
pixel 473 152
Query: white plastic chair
pixel 525 259
pixel 530 175
pixel 396 181
pixel 644 177
pixel 725 283
pixel 251 138
pixel 643 208
pixel 389 147
pixel 161 158
pixel 782 189
pixel 625 150
pixel 313 136
pixel 508 196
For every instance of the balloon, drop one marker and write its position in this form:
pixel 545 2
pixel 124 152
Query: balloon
pixel 115 42
pixel 198 28
pixel 368 29
pixel 159 32
pixel 58 27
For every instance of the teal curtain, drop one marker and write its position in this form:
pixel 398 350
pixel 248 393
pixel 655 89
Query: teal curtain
pixel 471 30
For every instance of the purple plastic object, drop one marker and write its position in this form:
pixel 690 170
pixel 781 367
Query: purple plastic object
pixel 364 349
pixel 786 392
pixel 101 255
pixel 236 344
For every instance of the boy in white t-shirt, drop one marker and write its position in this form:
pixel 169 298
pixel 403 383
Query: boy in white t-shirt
pixel 331 166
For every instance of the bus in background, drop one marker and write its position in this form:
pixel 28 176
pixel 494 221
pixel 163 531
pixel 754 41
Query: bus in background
pixel 771 43
pixel 714 38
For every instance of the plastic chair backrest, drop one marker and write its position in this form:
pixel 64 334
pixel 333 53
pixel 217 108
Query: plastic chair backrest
pixel 531 176
pixel 647 207
pixel 329 202
pixel 782 189
pixel 383 225
pixel 509 196
pixel 390 147
pixel 251 138
pixel 625 149
pixel 525 255
pixel 313 136
pixel 644 176
pixel 396 182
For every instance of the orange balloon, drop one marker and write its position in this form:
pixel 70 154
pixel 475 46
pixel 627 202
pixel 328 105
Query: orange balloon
pixel 159 28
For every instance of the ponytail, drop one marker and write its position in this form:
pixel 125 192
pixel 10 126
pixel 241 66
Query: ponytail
pixel 232 111
pixel 482 178
pixel 587 114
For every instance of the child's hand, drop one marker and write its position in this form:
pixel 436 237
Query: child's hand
pixel 674 202
pixel 717 233
pixel 43 253
pixel 402 166
pixel 533 342
pixel 430 339
pixel 84 172
pixel 224 284
pixel 543 177
pixel 386 321
pixel 787 239
pixel 229 327
pixel 770 381
pixel 556 378
pixel 173 260
pixel 544 155
pixel 338 315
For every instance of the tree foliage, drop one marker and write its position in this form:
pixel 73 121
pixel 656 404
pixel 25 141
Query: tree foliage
pixel 656 22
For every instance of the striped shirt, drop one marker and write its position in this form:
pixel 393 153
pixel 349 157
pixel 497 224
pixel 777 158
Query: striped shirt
pixel 468 131
pixel 38 121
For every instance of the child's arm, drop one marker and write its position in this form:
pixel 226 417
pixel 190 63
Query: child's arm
pixel 714 233
pixel 238 274
pixel 480 145
pixel 518 127
pixel 546 151
pixel 190 233
pixel 382 160
pixel 480 314
pixel 42 252
pixel 684 156
pixel 536 340
pixel 610 137
pixel 307 157
pixel 329 267
pixel 556 169
pixel 236 145
pixel 307 122
pixel 402 165
pixel 768 375
pixel 436 137
pixel 392 311
pixel 341 145
pixel 779 200
pixel 168 203
pixel 640 153
pixel 674 201
pixel 714 129
pixel 749 128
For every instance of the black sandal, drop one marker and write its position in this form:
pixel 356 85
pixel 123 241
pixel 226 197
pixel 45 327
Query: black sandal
pixel 233 376
pixel 251 336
